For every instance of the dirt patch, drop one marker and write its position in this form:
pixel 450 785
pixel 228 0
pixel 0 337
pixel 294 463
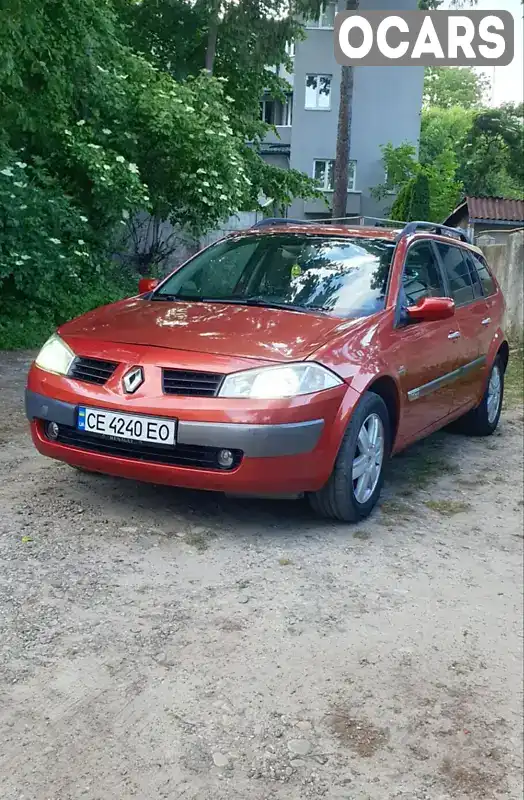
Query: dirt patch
pixel 472 782
pixel 359 735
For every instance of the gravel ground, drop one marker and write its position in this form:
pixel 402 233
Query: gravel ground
pixel 157 643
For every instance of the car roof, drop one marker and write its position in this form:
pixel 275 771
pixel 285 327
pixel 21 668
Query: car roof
pixel 370 232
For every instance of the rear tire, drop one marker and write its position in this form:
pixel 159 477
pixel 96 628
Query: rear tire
pixel 356 481
pixel 484 419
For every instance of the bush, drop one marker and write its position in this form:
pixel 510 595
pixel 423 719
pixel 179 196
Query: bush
pixel 51 266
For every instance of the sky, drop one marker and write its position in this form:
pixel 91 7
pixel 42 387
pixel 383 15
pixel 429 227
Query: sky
pixel 508 83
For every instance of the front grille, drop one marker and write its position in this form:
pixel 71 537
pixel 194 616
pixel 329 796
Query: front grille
pixel 92 370
pixel 181 455
pixel 191 383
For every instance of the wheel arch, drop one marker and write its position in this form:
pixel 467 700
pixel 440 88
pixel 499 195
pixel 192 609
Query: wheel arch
pixel 386 388
pixel 503 352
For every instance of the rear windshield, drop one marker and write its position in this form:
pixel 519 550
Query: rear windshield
pixel 346 277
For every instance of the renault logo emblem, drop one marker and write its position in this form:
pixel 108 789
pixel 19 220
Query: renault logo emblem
pixel 133 379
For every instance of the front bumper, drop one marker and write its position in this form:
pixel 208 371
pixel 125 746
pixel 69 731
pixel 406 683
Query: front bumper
pixel 255 441
pixel 285 448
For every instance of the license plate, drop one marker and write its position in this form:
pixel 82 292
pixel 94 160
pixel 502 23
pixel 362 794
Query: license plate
pixel 115 424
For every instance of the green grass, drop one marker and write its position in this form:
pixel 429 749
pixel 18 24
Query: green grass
pixel 448 508
pixel 396 511
pixel 514 379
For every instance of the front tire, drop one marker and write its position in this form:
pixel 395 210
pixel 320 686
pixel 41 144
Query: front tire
pixel 356 481
pixel 484 419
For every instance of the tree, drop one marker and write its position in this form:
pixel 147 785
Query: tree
pixel 102 132
pixel 446 87
pixel 345 111
pixel 493 148
pixel 442 129
pixel 465 152
pixel 424 191
pixel 239 42
pixel 236 42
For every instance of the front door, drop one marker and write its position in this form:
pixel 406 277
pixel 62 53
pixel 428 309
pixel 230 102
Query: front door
pixel 426 354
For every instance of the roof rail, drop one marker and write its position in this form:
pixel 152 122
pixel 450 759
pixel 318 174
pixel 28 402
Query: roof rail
pixel 263 223
pixel 434 227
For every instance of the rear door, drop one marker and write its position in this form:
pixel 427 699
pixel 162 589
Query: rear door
pixel 491 301
pixel 425 354
pixel 470 311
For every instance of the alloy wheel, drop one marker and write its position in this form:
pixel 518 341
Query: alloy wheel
pixel 369 457
pixel 494 394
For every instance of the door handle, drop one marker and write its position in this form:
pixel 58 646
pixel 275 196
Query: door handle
pixel 486 321
pixel 454 335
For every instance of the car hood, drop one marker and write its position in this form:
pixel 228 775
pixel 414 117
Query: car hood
pixel 220 328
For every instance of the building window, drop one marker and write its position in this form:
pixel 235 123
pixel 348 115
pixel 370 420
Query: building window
pixel 324 174
pixel 290 49
pixel 267 111
pixel 287 111
pixel 273 112
pixel 318 92
pixel 326 18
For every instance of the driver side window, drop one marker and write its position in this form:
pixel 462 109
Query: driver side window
pixel 421 277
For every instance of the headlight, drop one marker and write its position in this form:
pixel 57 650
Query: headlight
pixel 269 383
pixel 55 356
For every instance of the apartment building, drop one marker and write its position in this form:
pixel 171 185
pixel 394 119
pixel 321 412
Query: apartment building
pixel 386 108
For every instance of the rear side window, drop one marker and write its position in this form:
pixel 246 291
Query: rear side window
pixel 481 268
pixel 458 274
pixel 421 277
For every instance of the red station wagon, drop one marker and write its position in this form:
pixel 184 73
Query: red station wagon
pixel 287 359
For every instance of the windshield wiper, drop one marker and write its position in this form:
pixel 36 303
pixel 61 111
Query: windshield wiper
pixel 258 302
pixel 187 298
pixel 262 303
pixel 169 297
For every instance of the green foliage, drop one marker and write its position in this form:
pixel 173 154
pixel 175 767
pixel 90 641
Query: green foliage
pixel 462 151
pixel 424 191
pixel 420 198
pixel 401 166
pixel 252 37
pixel 443 129
pixel 487 144
pixel 51 266
pixel 108 126
pixel 446 87
pixel 493 162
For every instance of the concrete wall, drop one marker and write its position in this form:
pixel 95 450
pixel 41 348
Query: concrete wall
pixel 486 233
pixel 507 262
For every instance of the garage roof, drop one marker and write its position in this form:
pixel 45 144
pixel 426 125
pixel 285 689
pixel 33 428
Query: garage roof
pixel 489 209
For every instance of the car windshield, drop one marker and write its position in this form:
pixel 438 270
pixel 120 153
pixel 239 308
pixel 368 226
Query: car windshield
pixel 343 276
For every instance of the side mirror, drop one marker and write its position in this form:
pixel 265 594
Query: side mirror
pixel 146 285
pixel 431 309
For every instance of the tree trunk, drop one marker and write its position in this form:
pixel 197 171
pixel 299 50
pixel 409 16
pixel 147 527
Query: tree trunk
pixel 345 110
pixel 212 38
